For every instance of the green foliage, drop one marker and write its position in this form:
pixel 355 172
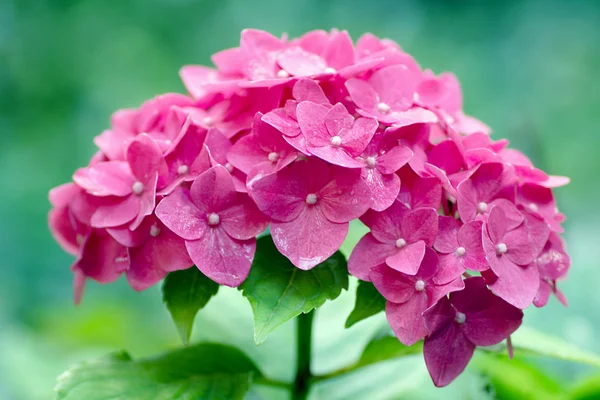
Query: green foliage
pixel 587 389
pixel 368 303
pixel 385 347
pixel 185 292
pixel 278 291
pixel 205 371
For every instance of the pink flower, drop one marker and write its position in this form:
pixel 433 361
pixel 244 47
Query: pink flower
pixel 540 200
pixel 219 146
pixel 472 317
pixel 510 251
pixel 399 238
pixel 218 224
pixel 460 248
pixel 408 296
pixel 333 135
pixel 310 204
pixel 129 186
pixel 417 191
pixel 553 264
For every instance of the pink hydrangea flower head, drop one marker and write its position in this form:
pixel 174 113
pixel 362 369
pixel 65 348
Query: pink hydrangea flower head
pixel 310 205
pixel 469 318
pixel 218 224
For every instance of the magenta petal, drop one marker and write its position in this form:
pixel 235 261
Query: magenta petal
pixel 447 240
pixel 281 120
pixel 225 260
pixel 147 202
pixel 384 188
pixel 243 220
pixel 447 353
pixel 299 62
pixel 367 254
pixel 309 90
pixel 102 258
pixel 145 159
pixel 339 51
pixel 393 285
pixel 362 93
pixel 309 239
pixel 493 324
pixel 516 284
pixel 408 258
pixel 394 159
pixel 213 190
pixel 420 224
pixel 311 118
pixel 116 212
pixel 246 153
pixel 107 178
pixel 345 197
pixel 450 267
pixel 179 214
pixel 150 262
pixel 406 319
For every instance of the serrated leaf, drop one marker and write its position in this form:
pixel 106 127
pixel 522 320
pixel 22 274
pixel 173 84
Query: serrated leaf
pixel 278 291
pixel 528 341
pixel 185 292
pixel 206 371
pixel 368 303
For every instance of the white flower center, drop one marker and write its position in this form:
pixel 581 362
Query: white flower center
pixel 460 317
pixel 533 207
pixel 311 199
pixel 208 121
pixel 460 251
pixel 154 231
pixel 283 74
pixel 273 156
pixel 182 169
pixel 228 167
pixel 383 108
pixel 501 248
pixel 482 207
pixel 336 141
pixel 400 243
pixel 371 161
pixel 419 285
pixel 213 219
pixel 137 188
pixel 330 70
pixel 168 142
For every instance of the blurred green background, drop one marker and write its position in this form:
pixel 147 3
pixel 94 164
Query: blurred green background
pixel 528 68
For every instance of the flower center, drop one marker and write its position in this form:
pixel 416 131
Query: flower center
pixel 228 167
pixel 460 251
pixel 501 248
pixel 371 161
pixel 208 121
pixel 311 199
pixel 533 207
pixel 154 231
pixel 419 285
pixel 482 207
pixel 273 156
pixel 330 70
pixel 213 219
pixel 336 141
pixel 460 318
pixel 182 169
pixel 383 108
pixel 137 188
pixel 400 243
pixel 283 74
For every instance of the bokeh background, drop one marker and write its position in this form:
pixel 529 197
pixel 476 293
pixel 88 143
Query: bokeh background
pixel 528 68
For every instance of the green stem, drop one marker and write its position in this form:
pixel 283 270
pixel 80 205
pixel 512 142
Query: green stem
pixel 303 356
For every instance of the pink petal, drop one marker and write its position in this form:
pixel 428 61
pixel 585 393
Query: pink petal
pixel 395 86
pixel 406 319
pixel 309 239
pixel 470 237
pixel 281 120
pixel 213 190
pixel 516 284
pixel 493 324
pixel 179 214
pixel 345 197
pixel 393 285
pixel 447 241
pixel 246 153
pixel 102 258
pixel 309 90
pixel 420 224
pixel 497 224
pixel 299 62
pixel 408 258
pixel 446 156
pixel 394 159
pixel 384 188
pixel 362 94
pixel 368 253
pixel 225 260
pixel 106 178
pixel 386 225
pixel 145 159
pixel 116 212
pixel 339 51
pixel 243 220
pixel 450 267
pixel 147 202
pixel 311 118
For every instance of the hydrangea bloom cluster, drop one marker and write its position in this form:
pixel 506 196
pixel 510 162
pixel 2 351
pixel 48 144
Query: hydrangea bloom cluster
pixel 306 135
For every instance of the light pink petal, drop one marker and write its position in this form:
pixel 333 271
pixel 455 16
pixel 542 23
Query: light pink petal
pixel 179 214
pixel 282 121
pixel 384 188
pixel 362 94
pixel 420 224
pixel 394 159
pixel 147 202
pixel 393 285
pixel 406 319
pixel 338 120
pixel 339 51
pixel 213 190
pixel 345 197
pixel 497 224
pixel 311 118
pixel 225 260
pixel 513 216
pixel 395 86
pixel 116 212
pixel 243 220
pixel 386 225
pixel 408 258
pixel 309 90
pixel 412 116
pixel 335 155
pixel 368 253
pixel 62 229
pixel 470 238
pixel 106 178
pixel 153 260
pixel 515 284
pixel 310 239
pixel 358 137
pixel 246 153
pixel 447 241
pixel 145 159
pixel 298 62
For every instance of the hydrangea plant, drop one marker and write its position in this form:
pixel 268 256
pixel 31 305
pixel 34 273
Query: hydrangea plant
pixel 251 181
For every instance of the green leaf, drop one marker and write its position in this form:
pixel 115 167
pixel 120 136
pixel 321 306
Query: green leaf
pixel 206 371
pixel 516 379
pixel 278 291
pixel 386 347
pixel 185 292
pixel 587 389
pixel 368 303
pixel 528 341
